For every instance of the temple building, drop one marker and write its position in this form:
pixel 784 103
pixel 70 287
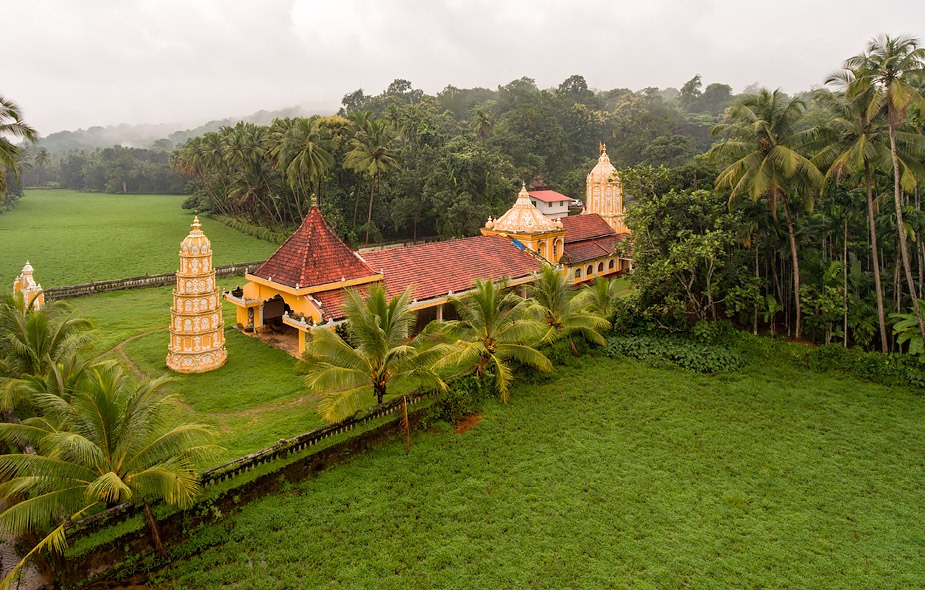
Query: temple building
pixel 31 291
pixel 604 195
pixel 197 336
pixel 303 284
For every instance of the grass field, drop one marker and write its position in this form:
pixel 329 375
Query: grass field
pixel 253 401
pixel 610 475
pixel 72 237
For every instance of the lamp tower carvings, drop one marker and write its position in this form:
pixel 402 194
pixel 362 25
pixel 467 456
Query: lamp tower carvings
pixel 197 337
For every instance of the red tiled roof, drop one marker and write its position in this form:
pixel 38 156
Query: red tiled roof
pixel 549 196
pixel 439 267
pixel 313 255
pixel 578 252
pixel 585 227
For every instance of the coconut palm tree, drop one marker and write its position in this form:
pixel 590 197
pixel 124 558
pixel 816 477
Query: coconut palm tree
pixel 601 296
pixel 383 355
pixel 893 66
pixel 300 151
pixel 110 443
pixel 761 141
pixel 564 310
pixel 32 340
pixel 12 126
pixel 494 328
pixel 855 142
pixel 371 153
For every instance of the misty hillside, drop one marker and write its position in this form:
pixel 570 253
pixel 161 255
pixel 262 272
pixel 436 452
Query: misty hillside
pixel 143 136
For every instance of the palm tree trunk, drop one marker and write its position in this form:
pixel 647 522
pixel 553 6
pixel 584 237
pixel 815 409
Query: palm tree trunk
pixel 369 217
pixel 845 283
pixel 874 252
pixel 900 228
pixel 796 265
pixel 155 533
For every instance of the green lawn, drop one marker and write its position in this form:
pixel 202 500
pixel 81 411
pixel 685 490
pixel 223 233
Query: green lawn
pixel 610 475
pixel 253 401
pixel 72 237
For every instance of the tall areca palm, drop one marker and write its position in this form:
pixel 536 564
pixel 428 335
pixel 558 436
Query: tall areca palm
pixel 892 67
pixel 111 442
pixel 564 310
pixel 383 354
pixel 762 142
pixel 493 329
pixel 372 153
pixel 11 126
pixel 856 142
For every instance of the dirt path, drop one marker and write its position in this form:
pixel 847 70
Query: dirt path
pixel 120 349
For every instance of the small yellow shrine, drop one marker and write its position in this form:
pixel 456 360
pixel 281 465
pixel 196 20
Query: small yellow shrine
pixel 31 291
pixel 604 195
pixel 197 337
pixel 526 224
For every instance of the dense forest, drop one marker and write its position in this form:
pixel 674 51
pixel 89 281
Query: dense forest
pixel 798 215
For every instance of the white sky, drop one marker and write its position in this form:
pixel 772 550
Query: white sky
pixel 72 64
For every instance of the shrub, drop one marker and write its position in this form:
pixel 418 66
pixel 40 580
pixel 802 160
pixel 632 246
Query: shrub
pixel 465 397
pixel 680 349
pixel 887 369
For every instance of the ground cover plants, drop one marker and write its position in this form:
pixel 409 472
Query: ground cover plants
pixel 72 237
pixel 612 474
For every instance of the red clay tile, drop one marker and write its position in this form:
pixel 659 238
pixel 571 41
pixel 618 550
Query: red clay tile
pixel 313 255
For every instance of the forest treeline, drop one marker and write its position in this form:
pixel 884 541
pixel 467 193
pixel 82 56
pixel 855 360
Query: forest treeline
pixel 799 215
pixel 449 160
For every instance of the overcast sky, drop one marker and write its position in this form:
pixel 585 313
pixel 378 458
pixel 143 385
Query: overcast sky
pixel 75 64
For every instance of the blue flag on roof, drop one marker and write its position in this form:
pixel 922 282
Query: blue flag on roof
pixel 518 244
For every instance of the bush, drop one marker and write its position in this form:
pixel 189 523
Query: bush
pixel 465 397
pixel 681 349
pixel 263 233
pixel 887 369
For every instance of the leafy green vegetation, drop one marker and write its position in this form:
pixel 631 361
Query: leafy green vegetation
pixel 72 237
pixel 613 474
pixel 253 401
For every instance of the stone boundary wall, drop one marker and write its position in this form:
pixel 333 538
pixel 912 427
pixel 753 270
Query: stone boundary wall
pixel 159 280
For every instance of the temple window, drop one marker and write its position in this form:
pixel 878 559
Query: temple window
pixel 600 267
pixel 611 265
pixel 590 270
pixel 577 273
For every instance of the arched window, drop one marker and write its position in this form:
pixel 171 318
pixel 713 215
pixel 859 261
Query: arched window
pixel 590 270
pixel 600 267
pixel 611 265
pixel 577 273
pixel 555 248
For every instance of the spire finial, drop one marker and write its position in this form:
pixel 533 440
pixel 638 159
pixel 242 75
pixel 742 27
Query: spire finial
pixel 196 224
pixel 314 200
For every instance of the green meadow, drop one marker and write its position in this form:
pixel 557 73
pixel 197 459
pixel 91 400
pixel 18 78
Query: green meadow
pixel 611 474
pixel 252 402
pixel 72 237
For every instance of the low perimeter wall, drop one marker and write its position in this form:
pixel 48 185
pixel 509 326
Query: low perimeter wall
pixel 71 291
pixel 101 567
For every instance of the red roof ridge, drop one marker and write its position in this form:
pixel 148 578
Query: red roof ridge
pixel 313 255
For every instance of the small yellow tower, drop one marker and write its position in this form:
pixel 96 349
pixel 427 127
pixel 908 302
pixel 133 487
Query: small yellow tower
pixel 603 194
pixel 197 337
pixel 31 291
pixel 524 223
